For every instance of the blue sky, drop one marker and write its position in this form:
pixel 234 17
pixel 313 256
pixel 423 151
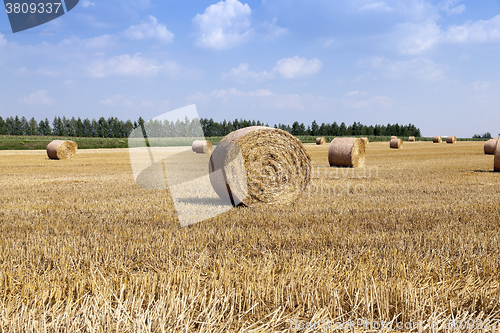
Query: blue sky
pixel 431 63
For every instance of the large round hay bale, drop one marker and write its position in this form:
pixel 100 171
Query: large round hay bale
pixel 365 140
pixel 202 146
pixel 497 157
pixel 276 166
pixel 396 144
pixel 321 140
pixel 393 137
pixel 61 149
pixel 489 146
pixel 411 139
pixel 347 152
pixel 436 139
pixel 451 139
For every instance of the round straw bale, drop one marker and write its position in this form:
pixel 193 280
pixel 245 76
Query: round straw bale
pixel 276 165
pixel 61 149
pixel 202 147
pixel 451 139
pixel 489 146
pixel 396 143
pixel 411 139
pixel 321 140
pixel 347 152
pixel 436 139
pixel 393 137
pixel 497 157
pixel 365 140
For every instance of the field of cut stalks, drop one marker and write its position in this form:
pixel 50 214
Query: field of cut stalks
pixel 412 237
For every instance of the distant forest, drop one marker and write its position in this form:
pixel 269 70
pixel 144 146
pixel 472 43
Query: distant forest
pixel 116 128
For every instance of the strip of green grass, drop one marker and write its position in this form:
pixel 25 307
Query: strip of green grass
pixel 9 142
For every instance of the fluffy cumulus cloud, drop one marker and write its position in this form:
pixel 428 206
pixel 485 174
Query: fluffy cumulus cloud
pixel 377 7
pixel 223 25
pixel 117 100
pixel 288 68
pixel 420 68
pixel 126 65
pixel 478 31
pixel 451 7
pixel 37 98
pixel 149 30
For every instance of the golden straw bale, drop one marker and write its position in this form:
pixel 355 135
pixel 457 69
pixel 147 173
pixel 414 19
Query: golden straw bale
pixel 321 140
pixel 393 137
pixel 365 140
pixel 437 139
pixel 489 146
pixel 497 157
pixel 396 144
pixel 451 139
pixel 61 149
pixel 277 168
pixel 202 147
pixel 411 139
pixel 347 152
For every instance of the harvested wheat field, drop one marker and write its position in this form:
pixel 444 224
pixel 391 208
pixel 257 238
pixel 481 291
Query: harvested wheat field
pixel 412 237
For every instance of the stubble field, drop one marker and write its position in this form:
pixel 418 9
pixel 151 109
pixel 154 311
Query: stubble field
pixel 412 237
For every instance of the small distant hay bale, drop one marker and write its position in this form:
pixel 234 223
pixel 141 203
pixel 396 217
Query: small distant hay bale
pixel 411 139
pixel 489 146
pixel 61 149
pixel 321 140
pixel 497 157
pixel 393 137
pixel 396 144
pixel 451 139
pixel 202 147
pixel 365 140
pixel 437 139
pixel 347 152
pixel 277 168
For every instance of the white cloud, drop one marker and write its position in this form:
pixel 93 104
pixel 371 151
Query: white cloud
pixel 116 100
pixel 87 4
pixel 3 41
pixel 377 7
pixel 271 29
pixel 418 37
pixel 126 65
pixel 149 30
pixel 449 7
pixel 288 68
pixel 224 25
pixel 47 72
pixel 37 98
pixel 478 31
pixel 420 68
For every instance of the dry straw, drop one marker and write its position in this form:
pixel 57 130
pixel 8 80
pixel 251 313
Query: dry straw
pixel 276 165
pixel 489 146
pixel 365 140
pixel 436 139
pixel 321 140
pixel 347 152
pixel 497 157
pixel 202 146
pixel 61 149
pixel 396 144
pixel 451 139
pixel 393 137
pixel 411 139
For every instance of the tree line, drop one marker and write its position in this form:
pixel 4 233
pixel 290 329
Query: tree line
pixel 116 128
